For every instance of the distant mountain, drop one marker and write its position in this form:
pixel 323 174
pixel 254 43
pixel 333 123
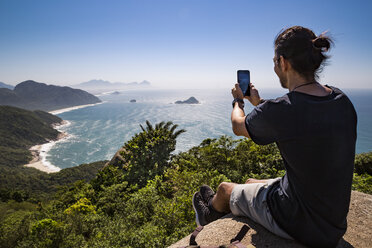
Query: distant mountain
pixel 93 83
pixel 95 86
pixel 8 86
pixel 32 95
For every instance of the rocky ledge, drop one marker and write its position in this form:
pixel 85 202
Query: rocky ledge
pixel 359 232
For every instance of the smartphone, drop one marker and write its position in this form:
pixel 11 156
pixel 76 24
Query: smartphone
pixel 244 81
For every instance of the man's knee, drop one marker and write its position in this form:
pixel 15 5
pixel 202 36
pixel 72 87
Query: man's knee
pixel 251 180
pixel 225 188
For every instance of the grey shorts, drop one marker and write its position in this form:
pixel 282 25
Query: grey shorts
pixel 250 200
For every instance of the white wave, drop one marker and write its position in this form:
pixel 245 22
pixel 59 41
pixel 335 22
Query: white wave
pixel 61 126
pixel 45 148
pixel 90 153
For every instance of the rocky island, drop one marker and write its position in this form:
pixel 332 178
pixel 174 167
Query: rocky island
pixel 191 100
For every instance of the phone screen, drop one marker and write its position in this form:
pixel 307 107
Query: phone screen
pixel 244 80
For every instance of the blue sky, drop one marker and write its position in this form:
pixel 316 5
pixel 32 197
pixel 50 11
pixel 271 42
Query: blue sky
pixel 174 43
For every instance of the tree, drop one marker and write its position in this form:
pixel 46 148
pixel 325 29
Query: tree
pixel 147 154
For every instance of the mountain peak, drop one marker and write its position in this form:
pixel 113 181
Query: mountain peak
pixel 95 82
pixel 29 82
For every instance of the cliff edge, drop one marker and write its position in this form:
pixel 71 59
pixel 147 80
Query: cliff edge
pixel 359 232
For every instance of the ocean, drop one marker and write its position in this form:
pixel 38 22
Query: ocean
pixel 97 132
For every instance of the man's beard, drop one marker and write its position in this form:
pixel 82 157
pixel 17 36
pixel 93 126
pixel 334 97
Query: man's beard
pixel 281 76
pixel 283 82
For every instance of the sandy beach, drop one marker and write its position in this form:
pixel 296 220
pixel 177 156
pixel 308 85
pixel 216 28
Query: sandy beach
pixel 39 152
pixel 36 161
pixel 60 111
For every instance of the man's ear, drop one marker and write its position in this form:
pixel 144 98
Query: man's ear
pixel 284 64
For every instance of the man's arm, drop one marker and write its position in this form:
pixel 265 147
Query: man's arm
pixel 238 115
pixel 238 121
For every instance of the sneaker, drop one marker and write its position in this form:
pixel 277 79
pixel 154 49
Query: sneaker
pixel 200 208
pixel 207 194
pixel 204 214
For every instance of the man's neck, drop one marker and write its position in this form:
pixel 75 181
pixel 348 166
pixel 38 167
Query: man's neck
pixel 294 80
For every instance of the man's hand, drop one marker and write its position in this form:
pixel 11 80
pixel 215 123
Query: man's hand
pixel 254 98
pixel 236 92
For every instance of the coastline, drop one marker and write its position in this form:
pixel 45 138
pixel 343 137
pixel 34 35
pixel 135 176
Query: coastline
pixel 39 152
pixel 60 111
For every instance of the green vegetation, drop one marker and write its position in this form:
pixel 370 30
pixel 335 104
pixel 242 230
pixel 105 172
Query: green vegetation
pixel 19 130
pixel 363 173
pixel 145 199
pixel 142 200
pixel 147 153
pixel 28 183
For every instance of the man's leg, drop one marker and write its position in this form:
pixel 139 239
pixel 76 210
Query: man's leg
pixel 221 200
pixel 250 200
pixel 209 208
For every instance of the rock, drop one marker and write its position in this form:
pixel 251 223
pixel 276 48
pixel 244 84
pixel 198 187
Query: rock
pixel 117 160
pixel 115 93
pixel 133 100
pixel 359 232
pixel 191 100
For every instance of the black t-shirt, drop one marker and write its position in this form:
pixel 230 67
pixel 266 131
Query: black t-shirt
pixel 316 138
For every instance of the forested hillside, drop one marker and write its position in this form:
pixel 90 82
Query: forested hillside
pixel 143 199
pixel 19 130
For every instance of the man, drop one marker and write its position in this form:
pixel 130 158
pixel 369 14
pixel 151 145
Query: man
pixel 314 127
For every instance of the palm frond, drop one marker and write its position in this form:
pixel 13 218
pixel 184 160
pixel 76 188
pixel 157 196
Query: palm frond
pixel 161 124
pixel 168 124
pixel 178 133
pixel 173 128
pixel 149 126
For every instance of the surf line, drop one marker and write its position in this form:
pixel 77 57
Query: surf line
pixel 39 152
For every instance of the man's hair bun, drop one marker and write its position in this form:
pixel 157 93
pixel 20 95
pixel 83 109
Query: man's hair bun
pixel 303 49
pixel 322 42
